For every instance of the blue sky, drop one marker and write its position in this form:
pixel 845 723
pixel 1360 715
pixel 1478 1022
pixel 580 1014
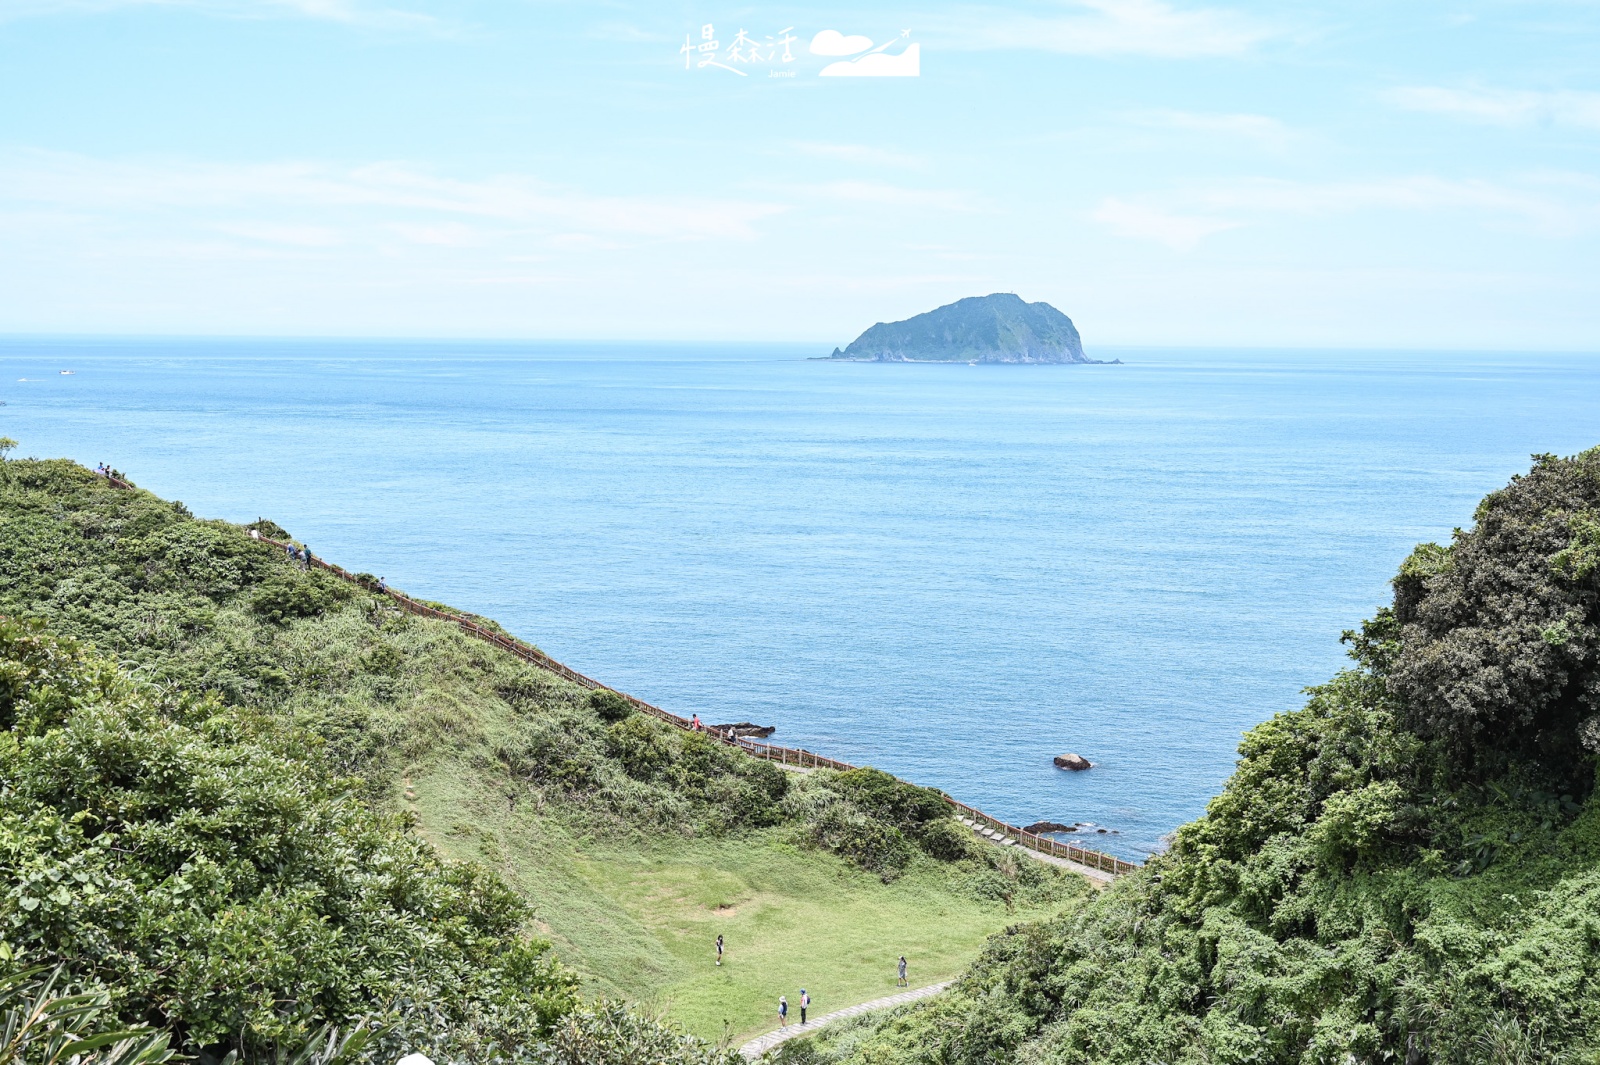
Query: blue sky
pixel 1422 174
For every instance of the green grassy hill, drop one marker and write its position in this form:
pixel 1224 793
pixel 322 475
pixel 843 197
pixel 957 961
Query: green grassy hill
pixel 1406 870
pixel 631 843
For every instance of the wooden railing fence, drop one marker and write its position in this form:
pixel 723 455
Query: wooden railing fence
pixel 1045 845
pixel 793 756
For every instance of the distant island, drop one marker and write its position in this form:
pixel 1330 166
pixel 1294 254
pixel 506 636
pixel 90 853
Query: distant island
pixel 1001 327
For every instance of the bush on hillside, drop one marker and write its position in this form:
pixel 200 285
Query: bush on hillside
pixel 921 814
pixel 196 863
pixel 269 529
pixel 280 599
pixel 609 706
pixel 841 828
pixel 904 805
pixel 1496 638
pixel 946 840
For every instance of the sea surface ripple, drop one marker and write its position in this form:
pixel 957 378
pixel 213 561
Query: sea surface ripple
pixel 949 572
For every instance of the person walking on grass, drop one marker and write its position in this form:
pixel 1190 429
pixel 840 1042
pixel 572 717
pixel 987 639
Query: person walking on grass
pixel 902 982
pixel 805 1003
pixel 783 1012
pixel 719 948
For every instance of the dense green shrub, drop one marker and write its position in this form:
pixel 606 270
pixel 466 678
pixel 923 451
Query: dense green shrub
pixel 945 840
pixel 224 887
pixel 868 842
pixel 920 814
pixel 904 805
pixel 280 600
pixel 269 528
pixel 608 705
pixel 1497 646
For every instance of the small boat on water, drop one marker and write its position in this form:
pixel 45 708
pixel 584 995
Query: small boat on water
pixel 68 373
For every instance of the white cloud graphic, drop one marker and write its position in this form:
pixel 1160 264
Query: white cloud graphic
pixel 832 42
pixel 908 64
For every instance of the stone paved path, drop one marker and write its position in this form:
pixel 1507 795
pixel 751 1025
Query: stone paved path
pixel 761 1044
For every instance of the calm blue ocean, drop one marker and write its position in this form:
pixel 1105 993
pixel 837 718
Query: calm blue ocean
pixel 950 572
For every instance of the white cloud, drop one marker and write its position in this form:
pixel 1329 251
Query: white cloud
pixel 907 64
pixel 1142 222
pixel 1505 107
pixel 1540 201
pixel 350 12
pixel 84 184
pixel 832 42
pixel 1112 28
pixel 298 236
pixel 627 31
pixel 1261 129
pixel 859 153
pixel 438 234
pixel 895 195
pixel 1556 205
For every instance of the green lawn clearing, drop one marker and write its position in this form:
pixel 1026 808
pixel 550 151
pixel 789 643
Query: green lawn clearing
pixel 638 918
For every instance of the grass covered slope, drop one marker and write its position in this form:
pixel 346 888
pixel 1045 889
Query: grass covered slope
pixel 624 836
pixel 1405 870
pixel 639 915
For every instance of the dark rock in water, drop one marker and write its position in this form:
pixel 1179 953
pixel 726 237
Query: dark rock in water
pixel 1001 327
pixel 1048 826
pixel 746 729
pixel 1072 761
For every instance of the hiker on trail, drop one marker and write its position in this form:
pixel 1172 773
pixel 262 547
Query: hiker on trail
pixel 696 723
pixel 305 558
pixel 902 970
pixel 719 948
pixel 805 1003
pixel 783 1012
pixel 382 587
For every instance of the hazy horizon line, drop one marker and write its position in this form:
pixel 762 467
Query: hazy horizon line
pixel 828 345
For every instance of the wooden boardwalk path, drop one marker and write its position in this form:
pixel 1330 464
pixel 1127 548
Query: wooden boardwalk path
pixel 1100 877
pixel 761 1044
